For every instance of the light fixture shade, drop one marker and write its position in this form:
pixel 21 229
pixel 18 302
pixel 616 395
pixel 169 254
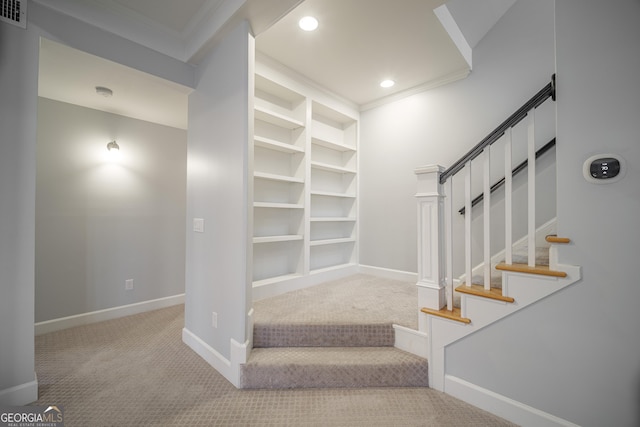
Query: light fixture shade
pixel 113 146
pixel 104 91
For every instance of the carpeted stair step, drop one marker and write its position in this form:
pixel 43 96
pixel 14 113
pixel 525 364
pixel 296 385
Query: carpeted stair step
pixel 323 335
pixel 333 367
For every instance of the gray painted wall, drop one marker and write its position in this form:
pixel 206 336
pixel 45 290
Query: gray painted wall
pixel 576 355
pixel 19 51
pixel 218 269
pixel 18 85
pixel 100 221
pixel 511 63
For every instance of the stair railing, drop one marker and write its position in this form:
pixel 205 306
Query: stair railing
pixel 548 146
pixel 435 210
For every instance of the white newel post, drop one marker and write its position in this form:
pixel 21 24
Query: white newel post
pixel 431 272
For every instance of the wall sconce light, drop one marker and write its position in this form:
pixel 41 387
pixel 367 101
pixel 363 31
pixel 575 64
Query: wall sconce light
pixel 113 147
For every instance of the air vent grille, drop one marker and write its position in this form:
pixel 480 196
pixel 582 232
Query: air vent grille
pixel 14 12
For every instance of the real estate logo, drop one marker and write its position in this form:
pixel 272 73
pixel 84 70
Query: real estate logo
pixel 31 416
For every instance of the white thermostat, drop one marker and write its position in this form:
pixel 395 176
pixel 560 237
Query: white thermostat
pixel 604 168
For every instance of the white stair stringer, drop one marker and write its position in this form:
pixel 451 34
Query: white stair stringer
pixel 525 288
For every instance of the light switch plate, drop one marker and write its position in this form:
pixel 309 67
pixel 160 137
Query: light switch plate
pixel 198 225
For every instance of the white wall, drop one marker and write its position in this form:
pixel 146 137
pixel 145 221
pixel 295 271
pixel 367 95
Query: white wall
pixel 576 355
pixel 18 78
pixel 102 220
pixel 218 268
pixel 19 50
pixel 511 63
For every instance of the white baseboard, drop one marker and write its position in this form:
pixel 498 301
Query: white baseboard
pixel 210 355
pixel 230 369
pixel 302 282
pixel 389 273
pixel 410 340
pixel 20 395
pixel 500 405
pixel 106 314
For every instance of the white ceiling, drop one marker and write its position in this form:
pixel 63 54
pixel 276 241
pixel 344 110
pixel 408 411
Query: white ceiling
pixel 176 16
pixel 358 43
pixel 71 76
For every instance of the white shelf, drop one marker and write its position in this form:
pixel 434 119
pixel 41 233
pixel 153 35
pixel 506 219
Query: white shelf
pixel 280 168
pixel 266 85
pixel 332 114
pixel 338 146
pixel 331 168
pixel 272 144
pixel 275 177
pixel 275 205
pixel 274 239
pixel 305 187
pixel 332 241
pixel 332 194
pixel 332 219
pixel 276 118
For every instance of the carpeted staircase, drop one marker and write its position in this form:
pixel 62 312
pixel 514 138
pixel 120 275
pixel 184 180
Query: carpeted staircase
pixel 348 342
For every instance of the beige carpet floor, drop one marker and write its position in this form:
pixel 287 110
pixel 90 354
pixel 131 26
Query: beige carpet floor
pixel 357 299
pixel 135 371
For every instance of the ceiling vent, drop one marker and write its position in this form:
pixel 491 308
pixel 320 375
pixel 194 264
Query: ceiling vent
pixel 14 12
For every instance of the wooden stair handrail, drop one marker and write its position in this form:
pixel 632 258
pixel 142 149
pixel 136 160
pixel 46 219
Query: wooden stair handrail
pixel 549 91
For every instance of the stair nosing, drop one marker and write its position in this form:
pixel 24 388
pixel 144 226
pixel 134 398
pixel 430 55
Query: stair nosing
pixel 541 270
pixel 454 314
pixel 295 367
pixel 480 291
pixel 553 238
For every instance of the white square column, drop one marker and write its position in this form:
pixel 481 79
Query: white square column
pixel 431 281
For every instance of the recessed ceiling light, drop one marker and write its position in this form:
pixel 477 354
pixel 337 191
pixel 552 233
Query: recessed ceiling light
pixel 387 83
pixel 104 91
pixel 308 23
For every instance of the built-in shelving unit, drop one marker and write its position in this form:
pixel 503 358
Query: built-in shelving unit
pixel 279 176
pixel 333 189
pixel 304 182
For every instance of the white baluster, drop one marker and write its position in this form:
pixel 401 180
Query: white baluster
pixel 531 187
pixel 467 222
pixel 487 217
pixel 508 188
pixel 448 227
